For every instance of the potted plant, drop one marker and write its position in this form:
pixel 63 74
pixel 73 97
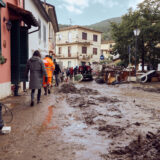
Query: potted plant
pixel 2 59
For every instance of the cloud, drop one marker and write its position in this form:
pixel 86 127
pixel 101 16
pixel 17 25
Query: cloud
pixel 75 6
pixel 134 3
pixel 72 8
pixel 77 3
pixel 107 3
pixel 78 6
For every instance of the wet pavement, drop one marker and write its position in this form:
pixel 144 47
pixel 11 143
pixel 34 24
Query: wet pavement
pixel 86 121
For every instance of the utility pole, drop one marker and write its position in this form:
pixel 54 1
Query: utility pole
pixel 129 51
pixel 70 21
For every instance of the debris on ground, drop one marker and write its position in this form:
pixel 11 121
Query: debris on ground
pixel 6 130
pixel 113 75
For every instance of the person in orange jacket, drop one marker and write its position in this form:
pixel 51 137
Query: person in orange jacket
pixel 50 67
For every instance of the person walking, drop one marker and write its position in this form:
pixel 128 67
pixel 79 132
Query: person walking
pixel 50 67
pixel 37 71
pixel 56 72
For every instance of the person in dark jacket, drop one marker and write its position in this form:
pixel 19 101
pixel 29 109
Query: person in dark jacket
pixel 56 72
pixel 37 70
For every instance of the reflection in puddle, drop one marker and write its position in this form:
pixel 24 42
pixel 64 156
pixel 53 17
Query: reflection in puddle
pixel 46 125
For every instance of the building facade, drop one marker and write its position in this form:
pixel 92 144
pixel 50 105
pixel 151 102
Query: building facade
pixel 38 38
pixel 15 22
pixel 77 45
pixel 107 48
pixel 53 28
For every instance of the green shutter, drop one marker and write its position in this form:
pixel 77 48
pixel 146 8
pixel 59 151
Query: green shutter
pixel 0 39
pixel 23 52
pixel 15 52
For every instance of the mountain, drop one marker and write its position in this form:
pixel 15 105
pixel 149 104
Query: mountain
pixel 103 26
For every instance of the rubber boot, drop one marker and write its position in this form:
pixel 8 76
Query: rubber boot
pixel 32 98
pixel 39 96
pixel 45 90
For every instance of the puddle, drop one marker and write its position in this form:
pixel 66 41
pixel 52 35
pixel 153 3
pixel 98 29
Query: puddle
pixel 47 123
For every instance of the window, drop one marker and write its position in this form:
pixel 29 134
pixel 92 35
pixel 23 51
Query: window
pixel 70 37
pixel 95 51
pixel 84 35
pixel 59 50
pixel 39 33
pixel 69 64
pixel 44 33
pixel 84 49
pixel 59 37
pixel 69 51
pixel 95 38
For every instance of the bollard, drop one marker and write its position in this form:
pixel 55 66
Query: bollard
pixel 1 121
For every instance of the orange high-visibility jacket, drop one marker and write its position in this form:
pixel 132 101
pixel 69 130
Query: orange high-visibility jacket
pixel 49 66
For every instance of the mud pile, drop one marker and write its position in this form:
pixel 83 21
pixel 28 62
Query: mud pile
pixel 88 91
pixel 68 88
pixel 147 148
pixel 155 90
pixel 107 99
pixel 80 101
pixel 113 130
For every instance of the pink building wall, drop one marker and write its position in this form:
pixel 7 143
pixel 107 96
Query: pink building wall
pixel 5 69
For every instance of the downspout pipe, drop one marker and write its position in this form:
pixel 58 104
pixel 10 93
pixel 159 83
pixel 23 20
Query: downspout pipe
pixel 35 30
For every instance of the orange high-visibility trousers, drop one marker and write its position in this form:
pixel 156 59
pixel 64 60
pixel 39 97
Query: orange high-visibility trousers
pixel 48 83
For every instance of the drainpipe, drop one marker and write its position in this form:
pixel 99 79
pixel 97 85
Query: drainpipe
pixel 35 30
pixel 1 121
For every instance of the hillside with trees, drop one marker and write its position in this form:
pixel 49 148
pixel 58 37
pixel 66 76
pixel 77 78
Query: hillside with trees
pixel 147 19
pixel 103 26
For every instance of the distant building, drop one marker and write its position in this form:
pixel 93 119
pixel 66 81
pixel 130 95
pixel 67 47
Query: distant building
pixel 77 45
pixel 106 50
pixel 53 28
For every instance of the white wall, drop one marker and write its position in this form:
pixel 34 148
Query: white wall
pixel 34 41
pixel 6 88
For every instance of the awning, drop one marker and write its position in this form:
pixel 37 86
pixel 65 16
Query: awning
pixel 2 4
pixel 22 14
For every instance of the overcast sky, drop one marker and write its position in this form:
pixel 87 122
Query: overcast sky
pixel 86 12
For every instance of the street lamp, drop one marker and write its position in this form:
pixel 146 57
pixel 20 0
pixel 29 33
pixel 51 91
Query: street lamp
pixel 136 34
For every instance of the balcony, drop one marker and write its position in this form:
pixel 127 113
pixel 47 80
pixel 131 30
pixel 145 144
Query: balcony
pixel 80 42
pixel 84 57
pixel 66 57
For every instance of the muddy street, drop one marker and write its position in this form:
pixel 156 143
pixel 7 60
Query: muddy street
pixel 86 121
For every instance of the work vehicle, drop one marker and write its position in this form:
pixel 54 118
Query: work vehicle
pixel 86 72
